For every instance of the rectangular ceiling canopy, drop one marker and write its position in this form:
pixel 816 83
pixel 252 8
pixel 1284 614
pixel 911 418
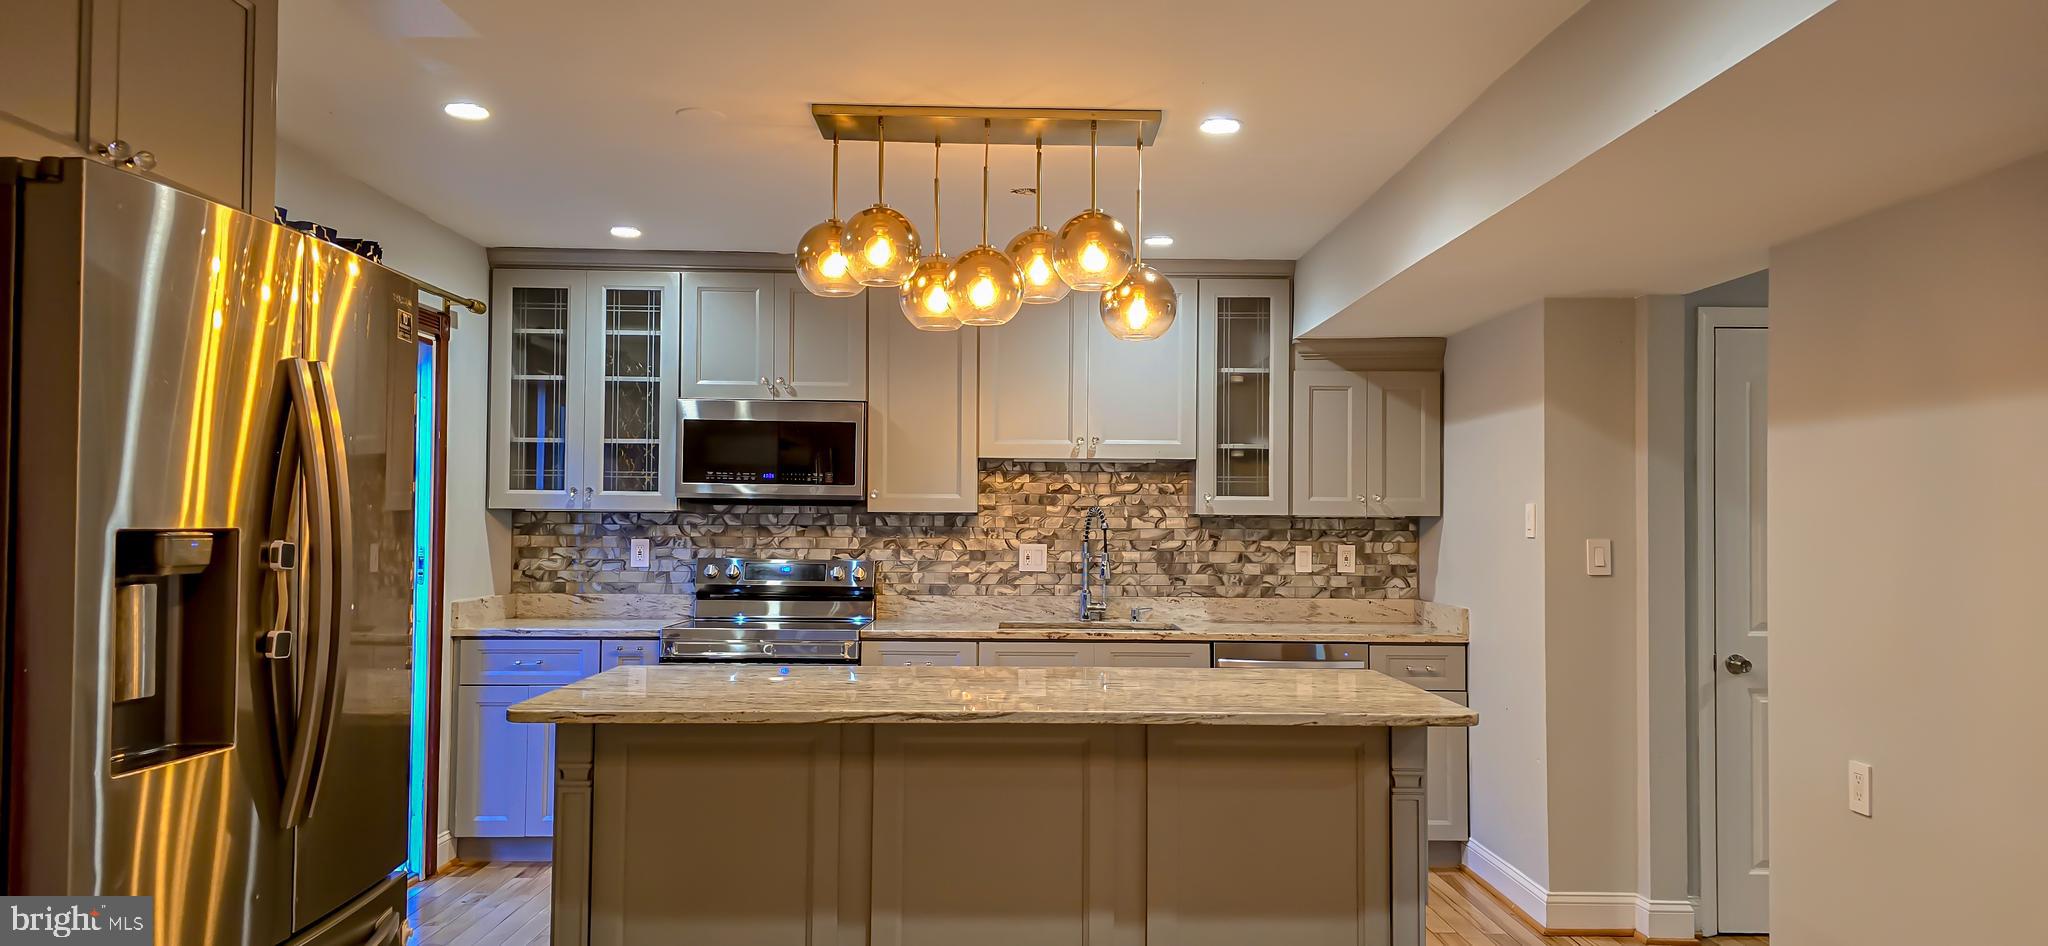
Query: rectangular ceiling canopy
pixel 953 124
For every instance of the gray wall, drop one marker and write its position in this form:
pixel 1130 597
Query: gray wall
pixel 1909 378
pixel 1475 556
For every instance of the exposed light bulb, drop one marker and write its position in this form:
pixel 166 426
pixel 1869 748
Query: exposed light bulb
pixel 1093 259
pixel 1039 273
pixel 834 265
pixel 880 251
pixel 1137 314
pixel 982 293
pixel 936 301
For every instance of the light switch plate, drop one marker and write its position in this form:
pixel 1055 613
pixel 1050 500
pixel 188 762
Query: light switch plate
pixel 1528 520
pixel 1600 557
pixel 642 552
pixel 1347 560
pixel 1304 559
pixel 1859 788
pixel 1031 557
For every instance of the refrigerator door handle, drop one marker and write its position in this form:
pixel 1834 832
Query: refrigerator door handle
pixel 340 546
pixel 316 657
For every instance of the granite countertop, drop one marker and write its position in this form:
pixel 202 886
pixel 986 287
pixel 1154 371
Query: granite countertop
pixel 760 693
pixel 1352 632
pixel 590 628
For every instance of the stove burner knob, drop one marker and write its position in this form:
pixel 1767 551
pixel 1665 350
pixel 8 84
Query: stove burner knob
pixel 732 572
pixel 859 573
pixel 838 573
pixel 711 571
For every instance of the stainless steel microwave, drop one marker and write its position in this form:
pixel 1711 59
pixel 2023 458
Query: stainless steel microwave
pixel 784 451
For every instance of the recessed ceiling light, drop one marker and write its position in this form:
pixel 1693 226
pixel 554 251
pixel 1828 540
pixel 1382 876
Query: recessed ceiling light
pixel 1159 239
pixel 467 111
pixel 630 233
pixel 1218 125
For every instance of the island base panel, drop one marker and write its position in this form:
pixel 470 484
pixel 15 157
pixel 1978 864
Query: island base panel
pixel 905 835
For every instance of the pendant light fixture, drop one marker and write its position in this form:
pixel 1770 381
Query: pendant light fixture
pixel 1142 306
pixel 986 287
pixel 925 298
pixel 1034 249
pixel 822 264
pixel 1094 249
pixel 884 244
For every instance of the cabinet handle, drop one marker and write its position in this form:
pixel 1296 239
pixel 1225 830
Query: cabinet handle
pixel 115 150
pixel 1421 671
pixel 785 385
pixel 586 495
pixel 1093 443
pixel 1376 497
pixel 1077 445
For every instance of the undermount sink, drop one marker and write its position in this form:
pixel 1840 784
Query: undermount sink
pixel 1089 625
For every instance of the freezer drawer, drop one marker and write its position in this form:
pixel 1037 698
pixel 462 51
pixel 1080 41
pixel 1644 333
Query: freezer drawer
pixel 377 918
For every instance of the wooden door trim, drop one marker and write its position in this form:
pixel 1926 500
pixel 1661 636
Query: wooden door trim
pixel 436 326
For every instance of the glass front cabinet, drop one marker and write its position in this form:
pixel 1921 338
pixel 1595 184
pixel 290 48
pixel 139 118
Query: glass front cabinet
pixel 583 391
pixel 1241 465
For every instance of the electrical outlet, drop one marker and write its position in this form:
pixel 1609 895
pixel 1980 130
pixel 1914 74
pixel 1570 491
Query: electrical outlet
pixel 1031 557
pixel 1529 520
pixel 1347 560
pixel 642 553
pixel 1859 788
pixel 1304 559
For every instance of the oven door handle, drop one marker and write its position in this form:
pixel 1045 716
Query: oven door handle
pixel 1297 664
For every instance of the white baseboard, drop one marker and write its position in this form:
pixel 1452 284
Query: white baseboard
pixel 1666 919
pixel 444 849
pixel 1579 910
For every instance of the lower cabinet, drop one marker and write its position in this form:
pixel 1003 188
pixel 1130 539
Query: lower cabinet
pixel 1033 654
pixel 1448 794
pixel 502 778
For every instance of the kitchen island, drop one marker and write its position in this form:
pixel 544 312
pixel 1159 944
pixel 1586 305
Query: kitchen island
pixel 989 805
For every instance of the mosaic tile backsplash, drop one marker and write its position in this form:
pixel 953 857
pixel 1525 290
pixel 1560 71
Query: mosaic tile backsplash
pixel 1158 547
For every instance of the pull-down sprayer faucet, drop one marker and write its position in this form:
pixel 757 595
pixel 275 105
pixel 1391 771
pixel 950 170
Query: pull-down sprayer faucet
pixel 1094 565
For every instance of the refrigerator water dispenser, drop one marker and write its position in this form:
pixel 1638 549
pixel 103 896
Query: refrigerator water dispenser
pixel 173 691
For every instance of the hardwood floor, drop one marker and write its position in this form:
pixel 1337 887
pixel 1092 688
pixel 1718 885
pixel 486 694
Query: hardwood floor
pixel 507 905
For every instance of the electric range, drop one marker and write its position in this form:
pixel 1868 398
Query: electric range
pixel 775 610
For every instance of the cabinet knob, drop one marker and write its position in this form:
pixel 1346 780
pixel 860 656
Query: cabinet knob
pixel 1078 441
pixel 874 494
pixel 586 495
pixel 1376 498
pixel 115 150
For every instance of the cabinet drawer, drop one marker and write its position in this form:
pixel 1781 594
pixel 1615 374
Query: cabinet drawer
pixel 1037 654
pixel 531 662
pixel 918 653
pixel 627 653
pixel 1431 667
pixel 1150 654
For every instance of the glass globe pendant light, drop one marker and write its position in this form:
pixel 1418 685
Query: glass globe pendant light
pixel 884 245
pixel 1034 249
pixel 1094 249
pixel 822 264
pixel 984 283
pixel 1142 306
pixel 925 298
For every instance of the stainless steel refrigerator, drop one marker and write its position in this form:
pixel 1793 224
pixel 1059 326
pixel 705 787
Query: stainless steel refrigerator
pixel 208 563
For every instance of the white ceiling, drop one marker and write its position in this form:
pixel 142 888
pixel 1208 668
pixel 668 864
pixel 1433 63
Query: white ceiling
pixel 1335 96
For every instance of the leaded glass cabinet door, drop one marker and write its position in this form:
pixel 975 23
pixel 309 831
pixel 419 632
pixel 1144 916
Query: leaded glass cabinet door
pixel 1241 467
pixel 537 389
pixel 633 330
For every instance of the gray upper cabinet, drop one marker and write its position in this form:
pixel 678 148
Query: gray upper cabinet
pixel 1055 385
pixel 583 412
pixel 1241 467
pixel 1367 443
pixel 762 335
pixel 1404 443
pixel 1141 395
pixel 728 335
pixel 1034 384
pixel 921 417
pixel 190 82
pixel 1329 442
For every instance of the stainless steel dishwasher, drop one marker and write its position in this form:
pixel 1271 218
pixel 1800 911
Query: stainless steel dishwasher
pixel 1289 654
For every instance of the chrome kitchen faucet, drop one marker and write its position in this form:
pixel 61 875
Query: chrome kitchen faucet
pixel 1094 565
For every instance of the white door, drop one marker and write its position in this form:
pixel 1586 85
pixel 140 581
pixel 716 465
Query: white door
pixel 1741 636
pixel 728 335
pixel 821 345
pixel 1141 395
pixel 1034 383
pixel 1404 443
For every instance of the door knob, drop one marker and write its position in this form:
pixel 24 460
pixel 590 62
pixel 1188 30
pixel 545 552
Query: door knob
pixel 1738 664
